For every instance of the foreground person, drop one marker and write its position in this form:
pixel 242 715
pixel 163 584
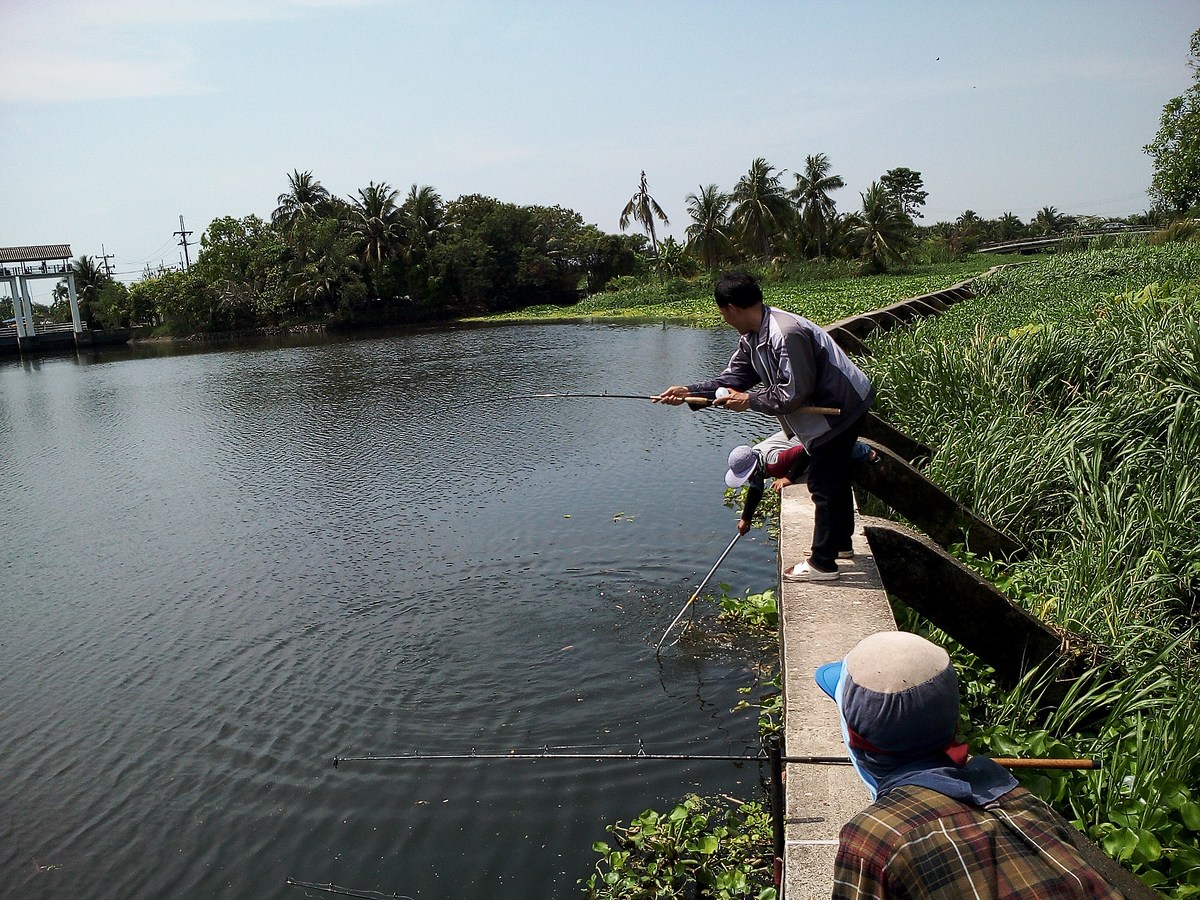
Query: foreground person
pixel 940 825
pixel 794 363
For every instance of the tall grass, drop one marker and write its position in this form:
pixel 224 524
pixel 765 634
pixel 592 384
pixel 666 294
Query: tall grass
pixel 1064 406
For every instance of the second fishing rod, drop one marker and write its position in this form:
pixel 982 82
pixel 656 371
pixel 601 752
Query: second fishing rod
pixel 693 401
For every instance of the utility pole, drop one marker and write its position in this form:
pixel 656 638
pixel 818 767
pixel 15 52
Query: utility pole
pixel 106 256
pixel 183 242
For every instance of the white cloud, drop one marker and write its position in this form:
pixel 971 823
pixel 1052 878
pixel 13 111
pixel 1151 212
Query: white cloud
pixel 61 51
pixel 62 75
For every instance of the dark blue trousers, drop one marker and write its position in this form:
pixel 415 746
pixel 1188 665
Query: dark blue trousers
pixel 833 497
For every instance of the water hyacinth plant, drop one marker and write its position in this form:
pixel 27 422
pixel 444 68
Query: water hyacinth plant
pixel 1063 403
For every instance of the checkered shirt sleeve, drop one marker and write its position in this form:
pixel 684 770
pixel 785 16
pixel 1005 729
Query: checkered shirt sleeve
pixel 916 843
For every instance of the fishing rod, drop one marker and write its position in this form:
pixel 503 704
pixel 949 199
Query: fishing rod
pixel 694 402
pixel 1008 762
pixel 692 599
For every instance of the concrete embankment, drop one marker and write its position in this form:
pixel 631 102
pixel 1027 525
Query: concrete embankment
pixel 819 622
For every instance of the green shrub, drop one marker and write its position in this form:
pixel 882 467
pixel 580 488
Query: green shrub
pixel 702 848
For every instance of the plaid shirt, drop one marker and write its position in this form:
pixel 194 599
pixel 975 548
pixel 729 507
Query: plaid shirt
pixel 916 843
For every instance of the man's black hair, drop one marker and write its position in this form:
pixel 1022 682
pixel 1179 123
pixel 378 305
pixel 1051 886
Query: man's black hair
pixel 738 288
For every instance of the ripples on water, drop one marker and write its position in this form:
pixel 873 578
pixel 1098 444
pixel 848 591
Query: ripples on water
pixel 223 569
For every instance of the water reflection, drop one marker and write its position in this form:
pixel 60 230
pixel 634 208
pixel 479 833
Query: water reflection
pixel 228 567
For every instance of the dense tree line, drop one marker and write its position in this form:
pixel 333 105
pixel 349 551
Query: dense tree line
pixel 374 258
pixel 379 258
pixel 761 221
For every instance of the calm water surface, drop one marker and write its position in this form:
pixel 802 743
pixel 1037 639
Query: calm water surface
pixel 222 569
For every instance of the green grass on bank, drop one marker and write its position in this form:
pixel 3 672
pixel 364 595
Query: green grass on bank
pixel 823 294
pixel 1063 403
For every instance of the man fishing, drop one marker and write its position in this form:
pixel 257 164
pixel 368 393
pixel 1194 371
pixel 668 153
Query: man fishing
pixel 941 824
pixel 794 362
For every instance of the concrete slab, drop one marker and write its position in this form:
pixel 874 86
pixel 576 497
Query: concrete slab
pixel 819 622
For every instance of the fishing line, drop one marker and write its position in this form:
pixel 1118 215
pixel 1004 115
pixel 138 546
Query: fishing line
pixel 332 888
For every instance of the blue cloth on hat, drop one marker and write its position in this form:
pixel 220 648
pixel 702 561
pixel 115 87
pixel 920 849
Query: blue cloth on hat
pixel 903 736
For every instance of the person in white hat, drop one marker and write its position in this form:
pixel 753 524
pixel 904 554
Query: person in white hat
pixel 785 460
pixel 778 457
pixel 942 824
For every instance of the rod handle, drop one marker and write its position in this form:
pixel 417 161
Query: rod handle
pixel 816 410
pixel 1029 763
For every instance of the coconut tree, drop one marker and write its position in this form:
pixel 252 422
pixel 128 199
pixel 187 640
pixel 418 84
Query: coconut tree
pixel 305 198
pixel 90 280
pixel 375 223
pixel 1007 227
pixel 762 211
pixel 968 228
pixel 1049 221
pixel 708 237
pixel 882 234
pixel 811 196
pixel 422 223
pixel 643 209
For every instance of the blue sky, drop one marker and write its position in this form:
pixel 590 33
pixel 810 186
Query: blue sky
pixel 118 116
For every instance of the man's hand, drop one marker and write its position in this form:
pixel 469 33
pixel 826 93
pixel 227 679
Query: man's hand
pixel 743 526
pixel 672 396
pixel 738 401
pixel 780 483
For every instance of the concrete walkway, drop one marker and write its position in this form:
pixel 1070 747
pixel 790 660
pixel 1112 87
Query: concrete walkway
pixel 819 622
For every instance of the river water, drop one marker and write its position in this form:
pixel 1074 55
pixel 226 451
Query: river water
pixel 221 569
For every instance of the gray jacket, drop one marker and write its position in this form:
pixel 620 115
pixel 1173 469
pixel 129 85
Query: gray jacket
pixel 798 364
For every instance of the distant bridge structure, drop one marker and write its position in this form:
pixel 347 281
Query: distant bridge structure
pixel 1037 244
pixel 18 267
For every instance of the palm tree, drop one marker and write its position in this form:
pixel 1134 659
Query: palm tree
pixel 708 236
pixel 305 198
pixel 643 209
pixel 1048 221
pixel 422 219
pixel 90 280
pixel 811 195
pixel 761 211
pixel 422 222
pixel 882 233
pixel 375 223
pixel 1008 226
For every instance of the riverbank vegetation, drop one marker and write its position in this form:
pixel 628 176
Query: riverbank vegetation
pixel 1063 403
pixel 380 258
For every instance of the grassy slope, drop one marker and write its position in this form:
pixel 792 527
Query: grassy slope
pixel 821 299
pixel 1064 403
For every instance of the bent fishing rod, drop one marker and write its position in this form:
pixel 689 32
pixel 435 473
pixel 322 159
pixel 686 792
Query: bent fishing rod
pixel 692 599
pixel 694 402
pixel 1008 762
